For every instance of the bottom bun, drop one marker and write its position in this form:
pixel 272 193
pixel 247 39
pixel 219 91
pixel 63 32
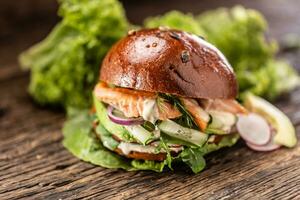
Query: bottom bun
pixel 142 156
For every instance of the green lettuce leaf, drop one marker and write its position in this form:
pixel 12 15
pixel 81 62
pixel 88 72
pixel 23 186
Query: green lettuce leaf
pixel 226 141
pixel 239 34
pixel 268 80
pixel 80 141
pixel 194 159
pixel 148 165
pixel 65 65
pixel 176 20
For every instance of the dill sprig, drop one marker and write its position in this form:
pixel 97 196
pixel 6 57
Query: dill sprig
pixel 185 119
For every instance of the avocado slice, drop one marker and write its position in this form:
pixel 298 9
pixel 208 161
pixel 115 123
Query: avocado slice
pixel 285 135
pixel 107 140
pixel 110 126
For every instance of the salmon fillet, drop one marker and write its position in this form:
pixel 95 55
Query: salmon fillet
pixel 201 118
pixel 226 105
pixel 131 102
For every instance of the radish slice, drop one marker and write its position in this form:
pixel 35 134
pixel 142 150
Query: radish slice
pixel 254 129
pixel 268 147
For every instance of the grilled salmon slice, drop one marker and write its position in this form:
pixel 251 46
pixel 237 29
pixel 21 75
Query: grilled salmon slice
pixel 132 102
pixel 226 105
pixel 200 117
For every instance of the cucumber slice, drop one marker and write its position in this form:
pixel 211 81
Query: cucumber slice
pixel 285 131
pixel 190 135
pixel 112 127
pixel 140 133
pixel 171 140
pixel 221 122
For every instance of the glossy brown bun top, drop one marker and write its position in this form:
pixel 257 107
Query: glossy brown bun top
pixel 169 61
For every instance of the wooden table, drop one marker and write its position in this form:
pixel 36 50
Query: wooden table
pixel 34 164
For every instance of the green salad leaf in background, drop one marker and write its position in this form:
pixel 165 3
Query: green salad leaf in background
pixel 176 20
pixel 65 65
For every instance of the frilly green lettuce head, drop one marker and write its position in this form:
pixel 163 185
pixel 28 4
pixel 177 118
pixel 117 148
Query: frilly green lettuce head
pixel 101 21
pixel 65 65
pixel 239 34
pixel 176 20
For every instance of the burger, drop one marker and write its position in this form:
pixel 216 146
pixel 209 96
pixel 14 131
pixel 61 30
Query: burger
pixel 166 96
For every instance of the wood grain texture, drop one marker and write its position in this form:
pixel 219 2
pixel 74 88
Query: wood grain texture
pixel 34 164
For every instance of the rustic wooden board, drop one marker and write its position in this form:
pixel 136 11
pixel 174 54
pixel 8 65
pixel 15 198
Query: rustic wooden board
pixel 34 164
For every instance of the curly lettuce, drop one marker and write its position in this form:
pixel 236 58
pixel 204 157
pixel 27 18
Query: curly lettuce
pixel 65 65
pixel 177 20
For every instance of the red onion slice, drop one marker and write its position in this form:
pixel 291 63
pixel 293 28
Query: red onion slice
pixel 254 129
pixel 123 120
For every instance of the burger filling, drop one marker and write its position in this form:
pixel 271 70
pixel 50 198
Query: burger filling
pixel 157 127
pixel 161 127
